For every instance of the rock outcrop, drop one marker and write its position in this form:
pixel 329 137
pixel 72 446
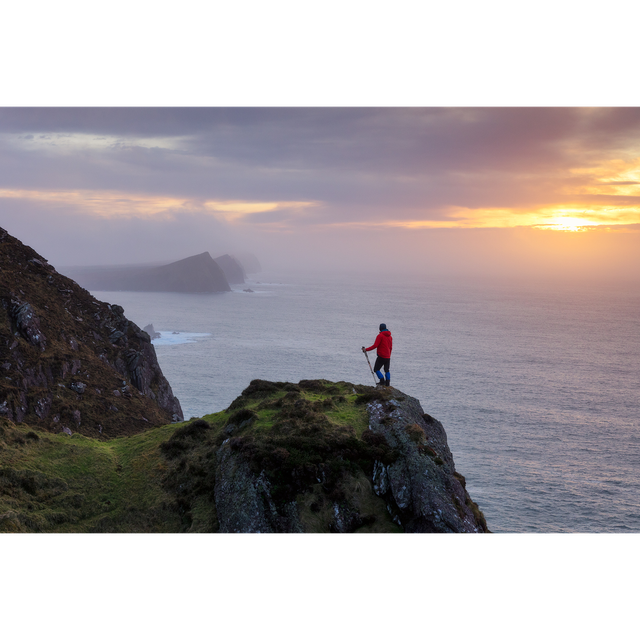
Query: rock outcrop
pixel 320 457
pixel 196 274
pixel 313 457
pixel 70 361
pixel 422 488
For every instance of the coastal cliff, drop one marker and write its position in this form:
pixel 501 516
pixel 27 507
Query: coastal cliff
pixel 70 362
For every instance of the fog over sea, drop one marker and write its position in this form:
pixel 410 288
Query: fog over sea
pixel 537 385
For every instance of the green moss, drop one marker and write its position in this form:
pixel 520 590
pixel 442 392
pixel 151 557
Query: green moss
pixel 415 433
pixel 303 433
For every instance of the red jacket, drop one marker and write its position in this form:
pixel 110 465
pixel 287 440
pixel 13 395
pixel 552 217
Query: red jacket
pixel 384 344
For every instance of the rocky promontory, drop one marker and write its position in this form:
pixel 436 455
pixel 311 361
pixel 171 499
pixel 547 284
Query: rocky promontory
pixel 311 457
pixel 319 456
pixel 71 363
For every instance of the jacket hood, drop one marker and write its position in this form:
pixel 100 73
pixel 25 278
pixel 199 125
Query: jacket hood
pixel 386 333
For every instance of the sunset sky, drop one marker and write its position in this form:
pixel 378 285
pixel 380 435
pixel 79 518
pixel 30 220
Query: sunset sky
pixel 444 190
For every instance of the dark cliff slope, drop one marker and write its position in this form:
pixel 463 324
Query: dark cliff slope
pixel 233 270
pixel 195 274
pixel 69 361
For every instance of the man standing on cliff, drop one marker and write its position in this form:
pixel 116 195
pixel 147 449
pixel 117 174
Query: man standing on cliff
pixel 384 344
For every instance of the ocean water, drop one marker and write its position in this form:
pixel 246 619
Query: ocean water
pixel 537 385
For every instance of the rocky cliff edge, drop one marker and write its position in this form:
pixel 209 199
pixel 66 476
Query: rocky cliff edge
pixel 312 457
pixel 68 362
pixel 319 456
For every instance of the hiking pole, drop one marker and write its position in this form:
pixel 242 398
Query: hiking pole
pixel 366 355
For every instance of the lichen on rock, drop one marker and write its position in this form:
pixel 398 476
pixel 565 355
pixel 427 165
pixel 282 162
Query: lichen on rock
pixel 423 486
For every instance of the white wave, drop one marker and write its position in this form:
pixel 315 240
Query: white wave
pixel 177 337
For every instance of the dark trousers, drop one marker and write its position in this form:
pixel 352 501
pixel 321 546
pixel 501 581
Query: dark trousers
pixel 382 362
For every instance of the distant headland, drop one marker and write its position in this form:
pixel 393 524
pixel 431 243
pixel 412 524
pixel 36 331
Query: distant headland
pixel 195 274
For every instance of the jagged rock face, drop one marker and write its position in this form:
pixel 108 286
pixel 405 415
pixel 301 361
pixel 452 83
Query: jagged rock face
pixel 422 488
pixel 244 503
pixel 69 361
pixel 233 270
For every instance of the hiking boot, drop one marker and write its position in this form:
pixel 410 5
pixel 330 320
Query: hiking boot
pixel 387 383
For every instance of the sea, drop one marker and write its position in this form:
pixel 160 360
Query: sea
pixel 537 383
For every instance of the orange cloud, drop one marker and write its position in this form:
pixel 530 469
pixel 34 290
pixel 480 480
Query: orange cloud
pixel 109 204
pixel 235 210
pixel 102 204
pixel 561 218
pixel 613 177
